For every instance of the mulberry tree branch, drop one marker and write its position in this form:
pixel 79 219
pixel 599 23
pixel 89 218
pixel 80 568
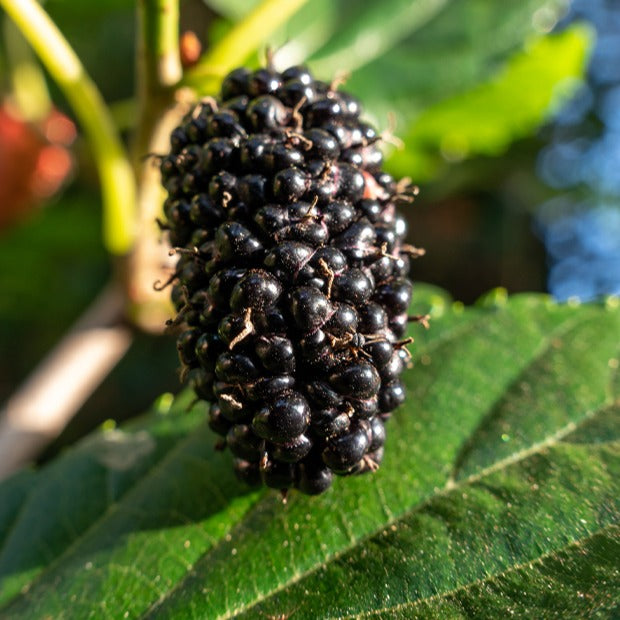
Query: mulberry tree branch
pixel 64 380
pixel 38 411
pixel 158 66
pixel 158 73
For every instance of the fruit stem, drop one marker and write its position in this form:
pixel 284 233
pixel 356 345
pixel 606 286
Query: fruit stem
pixel 115 171
pixel 247 35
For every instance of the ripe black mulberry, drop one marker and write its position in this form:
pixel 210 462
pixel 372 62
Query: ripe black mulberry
pixel 292 280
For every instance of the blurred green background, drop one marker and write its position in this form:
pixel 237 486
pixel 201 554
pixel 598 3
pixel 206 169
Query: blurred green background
pixel 508 115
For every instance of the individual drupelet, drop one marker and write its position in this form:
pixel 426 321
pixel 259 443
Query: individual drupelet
pixel 292 283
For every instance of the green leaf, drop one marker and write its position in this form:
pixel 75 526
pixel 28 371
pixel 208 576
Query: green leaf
pixel 403 55
pixel 456 45
pixel 445 69
pixel 77 488
pixel 367 30
pixel 232 9
pixel 498 495
pixel 486 119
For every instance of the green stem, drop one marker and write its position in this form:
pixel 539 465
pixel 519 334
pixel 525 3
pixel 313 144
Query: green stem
pixel 244 38
pixel 158 66
pixel 116 174
pixel 160 42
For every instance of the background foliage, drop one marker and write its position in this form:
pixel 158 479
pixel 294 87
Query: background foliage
pixel 499 491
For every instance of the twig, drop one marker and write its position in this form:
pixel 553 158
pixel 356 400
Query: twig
pixel 41 407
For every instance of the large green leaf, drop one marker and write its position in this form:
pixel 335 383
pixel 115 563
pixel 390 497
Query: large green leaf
pixel 404 55
pixel 498 495
pixel 437 49
pixel 487 118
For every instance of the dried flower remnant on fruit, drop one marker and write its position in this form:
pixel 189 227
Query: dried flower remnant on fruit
pixel 292 279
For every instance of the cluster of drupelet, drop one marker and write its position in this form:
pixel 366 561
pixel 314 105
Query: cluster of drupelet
pixel 292 280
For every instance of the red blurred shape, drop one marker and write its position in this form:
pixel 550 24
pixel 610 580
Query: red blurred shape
pixel 34 162
pixel 190 48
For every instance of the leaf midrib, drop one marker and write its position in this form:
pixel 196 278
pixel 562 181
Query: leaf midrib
pixel 576 543
pixel 545 347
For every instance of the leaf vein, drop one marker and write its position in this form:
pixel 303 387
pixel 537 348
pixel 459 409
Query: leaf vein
pixel 544 348
pixel 577 544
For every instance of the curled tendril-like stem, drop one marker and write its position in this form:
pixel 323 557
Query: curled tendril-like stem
pixel 403 344
pixel 158 285
pixel 211 101
pixel 296 115
pixel 369 463
pixel 297 138
pixel 194 252
pixel 270 53
pixel 229 398
pixel 327 271
pixel 412 250
pixel 226 198
pixel 185 308
pixel 406 191
pixel 422 319
pixel 340 78
pixel 389 137
pixel 248 328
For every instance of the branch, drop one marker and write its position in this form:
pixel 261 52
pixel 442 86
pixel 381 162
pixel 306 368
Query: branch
pixel 116 174
pixel 159 41
pixel 158 65
pixel 39 410
pixel 159 71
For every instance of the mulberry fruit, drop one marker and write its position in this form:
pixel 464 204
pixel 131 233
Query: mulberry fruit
pixel 291 283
